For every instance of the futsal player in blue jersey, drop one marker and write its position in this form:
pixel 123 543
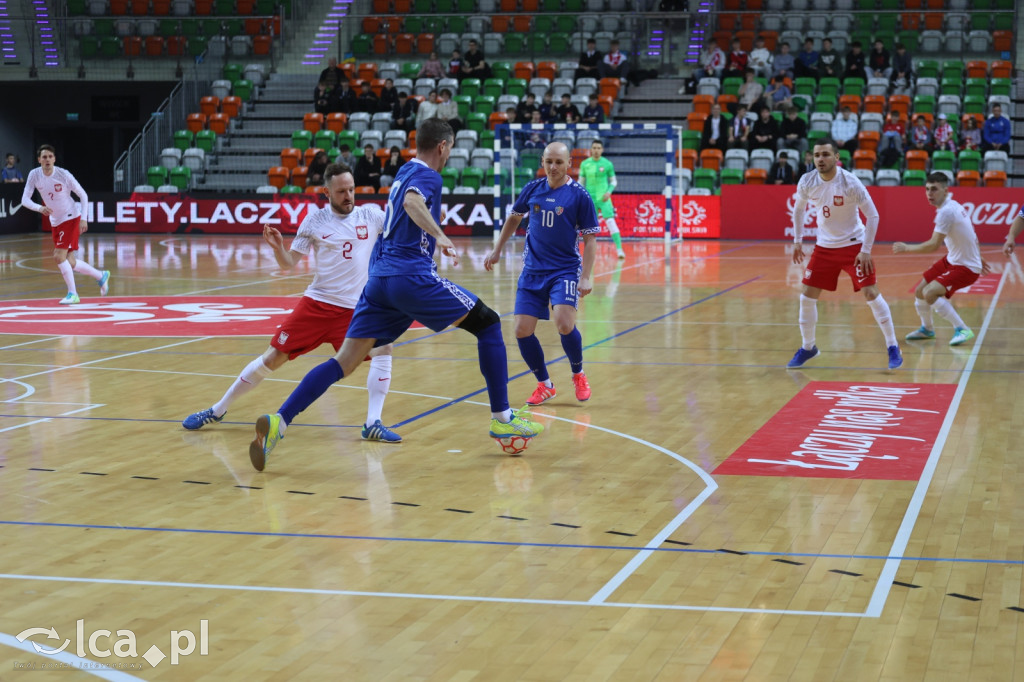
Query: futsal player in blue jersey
pixel 554 275
pixel 403 287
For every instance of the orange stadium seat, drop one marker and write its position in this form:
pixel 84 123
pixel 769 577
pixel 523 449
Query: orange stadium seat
pixel 731 4
pixel 377 85
pixel 723 39
pixel 868 140
pixel 195 122
pixel 244 7
pixel 862 158
pixel 425 43
pixel 367 71
pixel 852 101
pixel 547 70
pixel 231 105
pixel 725 100
pixel 371 25
pixel 299 174
pixel 508 6
pixel 313 122
pixel 521 23
pixel 218 123
pixel 140 7
pixel 977 69
pixel 132 46
pixel 408 154
pixel 978 118
pixel 754 4
pixel 1002 41
pixel 1002 69
pixel 746 39
pixel 365 189
pixel 755 176
pixel 209 104
pixel 495 118
pixel 771 39
pixel 278 176
pixel 695 120
pixel 161 7
pixel 337 121
pixel 702 103
pixel 118 7
pixel 579 155
pixel 711 159
pixel 309 154
pixel 610 87
pixel 686 158
pixel 917 159
pixel 403 6
pixel 291 157
pixel 606 103
pixel 933 21
pixel 900 103
pixel 262 45
pixel 154 46
pixel 381 44
pixel 500 23
pixel 404 43
pixel 382 6
pixel 874 104
pixel 995 178
pixel 314 189
pixel 911 21
pixel 728 21
pixel 203 7
pixel 530 5
pixel 176 45
pixel 968 178
pixel 523 70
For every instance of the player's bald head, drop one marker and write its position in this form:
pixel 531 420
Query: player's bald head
pixel 557 149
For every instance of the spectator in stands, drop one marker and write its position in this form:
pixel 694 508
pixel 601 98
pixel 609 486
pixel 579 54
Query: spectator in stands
pixel 345 155
pixel 9 172
pixel 343 99
pixel 751 93
pixel 473 65
pixel 829 62
pixel 448 110
pixel 538 139
pixel 709 65
pixel 322 98
pixel 783 64
pixel 368 170
pixel 793 131
pixel 902 70
pixel 807 61
pixel 590 61
pixel 332 76
pixel 844 130
pixel 388 96
pixel 970 136
pixel 315 173
pixel 716 131
pixel 391 166
pixel 943 135
pixel 781 172
pixel 548 110
pixel 920 137
pixel 593 112
pixel 614 63
pixel 432 68
pixel 567 110
pixel 878 62
pixel 736 62
pixel 806 167
pixel 739 129
pixel 779 95
pixel 765 132
pixel 510 114
pixel 403 113
pixel 367 100
pixel 995 135
pixel 427 108
pixel 893 133
pixel 524 112
pixel 760 59
pixel 856 62
pixel 455 66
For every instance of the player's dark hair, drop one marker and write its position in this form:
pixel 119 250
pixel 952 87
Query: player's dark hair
pixel 46 148
pixel 334 169
pixel 433 132
pixel 938 178
pixel 830 142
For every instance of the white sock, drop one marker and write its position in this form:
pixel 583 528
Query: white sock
pixel 283 427
pixel 548 383
pixel 883 317
pixel 69 276
pixel 946 310
pixel 503 417
pixel 253 374
pixel 612 227
pixel 86 269
pixel 378 381
pixel 925 312
pixel 808 320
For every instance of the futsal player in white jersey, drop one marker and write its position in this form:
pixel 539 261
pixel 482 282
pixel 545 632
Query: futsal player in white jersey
pixel 1015 229
pixel 959 268
pixel 843 245
pixel 342 236
pixel 67 219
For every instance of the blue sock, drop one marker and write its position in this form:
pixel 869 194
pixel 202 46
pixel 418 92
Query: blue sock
pixel 572 344
pixel 533 354
pixel 313 385
pixel 494 366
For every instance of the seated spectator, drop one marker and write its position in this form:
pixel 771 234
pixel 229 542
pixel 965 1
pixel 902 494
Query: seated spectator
pixel 806 167
pixel 448 110
pixel 716 130
pixel 614 65
pixel 902 70
pixel 844 130
pixel 455 66
pixel 779 96
pixel 345 156
pixel 548 110
pixel 432 68
pixel 765 132
pixel 367 100
pixel 736 62
pixel 590 61
pixel 593 112
pixel 890 148
pixel 793 131
pixel 474 65
pixel 995 135
pixel 856 62
pixel 783 64
pixel 970 136
pixel 807 61
pixel 710 64
pixel 751 92
pixel 739 129
pixel 427 108
pixel 9 172
pixel 368 170
pixel 315 174
pixel 343 98
pixel 332 76
pixel 878 62
pixel 919 136
pixel 760 59
pixel 391 166
pixel 538 139
pixel 943 135
pixel 510 114
pixel 524 112
pixel 388 96
pixel 829 62
pixel 567 111
pixel 781 172
pixel 322 98
pixel 403 113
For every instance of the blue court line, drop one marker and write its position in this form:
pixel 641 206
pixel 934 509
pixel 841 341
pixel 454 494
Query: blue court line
pixel 430 336
pixel 455 401
pixel 164 421
pixel 503 543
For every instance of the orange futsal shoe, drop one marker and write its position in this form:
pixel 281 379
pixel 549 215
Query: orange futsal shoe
pixel 582 387
pixel 541 394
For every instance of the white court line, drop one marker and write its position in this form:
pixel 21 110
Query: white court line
pixel 113 357
pixel 26 343
pixel 414 595
pixel 45 420
pixel 899 545
pixel 76 663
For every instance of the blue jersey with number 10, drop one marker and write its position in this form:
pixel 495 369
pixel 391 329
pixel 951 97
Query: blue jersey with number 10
pixel 557 217
pixel 404 248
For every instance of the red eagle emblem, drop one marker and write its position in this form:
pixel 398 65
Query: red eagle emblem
pixel 58 187
pixel 837 201
pixel 362 232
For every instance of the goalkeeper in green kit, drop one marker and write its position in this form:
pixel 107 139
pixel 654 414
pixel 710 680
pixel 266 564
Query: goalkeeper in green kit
pixel 597 175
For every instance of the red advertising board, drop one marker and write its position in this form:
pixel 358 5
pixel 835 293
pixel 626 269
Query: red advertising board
pixel 766 212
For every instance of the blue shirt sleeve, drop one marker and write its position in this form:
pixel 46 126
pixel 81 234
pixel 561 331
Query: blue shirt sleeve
pixel 586 214
pixel 522 205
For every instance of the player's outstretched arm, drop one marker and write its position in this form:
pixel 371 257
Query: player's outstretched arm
pixel 418 212
pixel 924 247
pixel 285 259
pixel 26 199
pixel 1011 238
pixel 507 230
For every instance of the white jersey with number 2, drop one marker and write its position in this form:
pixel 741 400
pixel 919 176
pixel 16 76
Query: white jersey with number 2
pixel 836 203
pixel 56 189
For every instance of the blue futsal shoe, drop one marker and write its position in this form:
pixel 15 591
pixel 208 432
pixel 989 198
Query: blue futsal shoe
pixel 801 356
pixel 380 433
pixel 196 421
pixel 104 283
pixel 895 357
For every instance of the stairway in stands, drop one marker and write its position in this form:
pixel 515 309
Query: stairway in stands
pixel 28 34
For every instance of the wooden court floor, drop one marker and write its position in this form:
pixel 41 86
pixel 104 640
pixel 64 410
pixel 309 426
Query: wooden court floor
pixel 609 551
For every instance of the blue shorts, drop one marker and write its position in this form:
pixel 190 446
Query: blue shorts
pixel 389 305
pixel 537 292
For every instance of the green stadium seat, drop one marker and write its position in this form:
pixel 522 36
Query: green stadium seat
pixel 486 139
pixel 76 7
pixel 887 22
pixel 825 104
pixel 973 104
pixel 156 176
pixel 197 45
pixel 183 139
pixel 233 27
pixel 691 139
pixel 573 6
pixel 232 72
pixel 101 28
pixel 302 139
pixel 467 6
pixel 953 69
pixel 732 176
pixel 362 46
pixel 290 189
pixel 910 39
pixel 566 24
pixel 969 159
pixel 804 86
pixel 705 177
pixel 410 69
pixel 351 138
pixel 515 43
pixel 502 70
pixel 538 43
pixel 1001 86
pixel 470 87
pixel 950 86
pixel 465 104
pixel 516 86
pixel 181 177
pixel 484 104
pixel 551 6
pixel 977 87
pixel 558 43
pixel 266 7
pixel 477 121
pixel 815 135
pixel 981 21
pixel 456 24
pixel 168 27
pixel 242 88
pixel 206 140
pixel 530 158
pixel 846 158
pixel 544 23
pixel 523 176
pixel 828 87
pixel 445 6
pixel 332 154
pixel 924 104
pixel 854 86
pixel 494 87
pixel 914 178
pixel 473 177
pixel 421 7
pixel 943 160
pixel 110 46
pixel 731 86
pixel 325 139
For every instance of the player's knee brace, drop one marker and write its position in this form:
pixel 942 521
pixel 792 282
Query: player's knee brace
pixel 479 319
